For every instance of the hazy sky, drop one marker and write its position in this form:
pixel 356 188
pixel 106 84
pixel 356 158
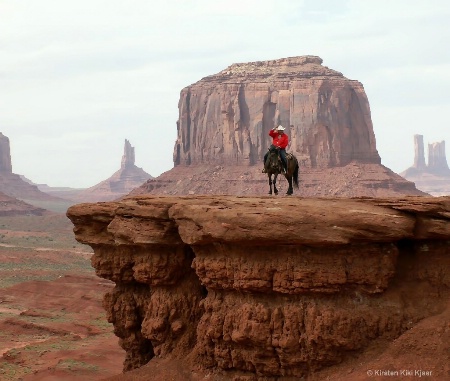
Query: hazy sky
pixel 77 78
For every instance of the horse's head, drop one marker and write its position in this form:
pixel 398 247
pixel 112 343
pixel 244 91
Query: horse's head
pixel 273 163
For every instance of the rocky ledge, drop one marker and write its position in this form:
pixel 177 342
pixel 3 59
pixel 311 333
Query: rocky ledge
pixel 274 70
pixel 257 287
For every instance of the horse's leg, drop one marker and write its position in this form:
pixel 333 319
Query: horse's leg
pixel 290 189
pixel 270 182
pixel 275 190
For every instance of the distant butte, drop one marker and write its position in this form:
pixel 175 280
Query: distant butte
pixel 223 124
pixel 10 206
pixel 433 178
pixel 122 182
pixel 5 155
pixel 13 185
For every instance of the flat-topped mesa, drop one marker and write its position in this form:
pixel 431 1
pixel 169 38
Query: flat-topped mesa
pixel 5 155
pixel 128 157
pixel 266 71
pixel 225 118
pixel 437 161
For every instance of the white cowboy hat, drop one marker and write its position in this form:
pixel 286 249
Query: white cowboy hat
pixel 280 128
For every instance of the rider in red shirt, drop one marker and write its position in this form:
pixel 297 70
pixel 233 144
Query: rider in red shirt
pixel 280 142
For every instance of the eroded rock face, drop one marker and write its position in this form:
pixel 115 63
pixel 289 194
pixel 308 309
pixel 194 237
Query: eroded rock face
pixel 254 286
pixel 225 118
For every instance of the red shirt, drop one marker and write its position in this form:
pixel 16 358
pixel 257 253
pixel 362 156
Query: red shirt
pixel 279 140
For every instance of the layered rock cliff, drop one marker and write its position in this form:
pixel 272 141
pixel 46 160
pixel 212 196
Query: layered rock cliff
pixel 433 178
pixel 122 182
pixel 224 120
pixel 269 288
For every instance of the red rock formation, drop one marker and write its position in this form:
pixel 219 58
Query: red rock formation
pixel 258 287
pixel 433 178
pixel 419 153
pixel 224 121
pixel 122 182
pixel 5 155
pixel 352 180
pixel 225 118
pixel 437 161
pixel 10 206
pixel 128 157
pixel 13 185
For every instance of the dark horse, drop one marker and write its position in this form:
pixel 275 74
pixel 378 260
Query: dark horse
pixel 273 166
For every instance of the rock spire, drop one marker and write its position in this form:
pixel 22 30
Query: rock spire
pixel 128 155
pixel 5 155
pixel 122 182
pixel 14 185
pixel 433 178
pixel 419 153
pixel 437 161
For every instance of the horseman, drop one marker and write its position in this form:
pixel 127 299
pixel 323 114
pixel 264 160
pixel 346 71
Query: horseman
pixel 280 142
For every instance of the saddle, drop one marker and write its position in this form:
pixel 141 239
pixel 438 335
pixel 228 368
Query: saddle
pixel 289 156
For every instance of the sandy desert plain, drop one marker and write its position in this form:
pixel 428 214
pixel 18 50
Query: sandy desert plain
pixel 52 323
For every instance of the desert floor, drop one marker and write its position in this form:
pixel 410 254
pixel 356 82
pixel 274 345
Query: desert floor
pixel 52 323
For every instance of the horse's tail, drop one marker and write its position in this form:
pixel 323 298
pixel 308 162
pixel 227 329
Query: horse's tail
pixel 295 174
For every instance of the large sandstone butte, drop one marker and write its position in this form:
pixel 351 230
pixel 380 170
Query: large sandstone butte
pixel 122 182
pixel 224 120
pixel 433 178
pixel 252 287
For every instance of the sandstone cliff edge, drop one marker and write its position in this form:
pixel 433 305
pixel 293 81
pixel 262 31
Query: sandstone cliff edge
pixel 257 287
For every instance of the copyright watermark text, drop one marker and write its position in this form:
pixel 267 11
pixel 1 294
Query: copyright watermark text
pixel 400 373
